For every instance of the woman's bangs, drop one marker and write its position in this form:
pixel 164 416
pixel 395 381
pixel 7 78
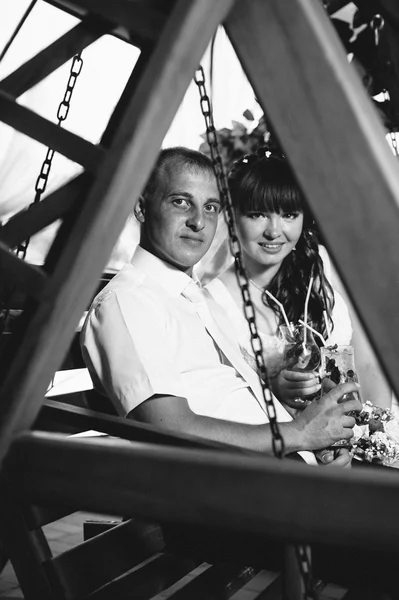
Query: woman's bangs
pixel 273 198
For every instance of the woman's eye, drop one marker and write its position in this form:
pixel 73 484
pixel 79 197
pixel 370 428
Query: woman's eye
pixel 256 216
pixel 290 216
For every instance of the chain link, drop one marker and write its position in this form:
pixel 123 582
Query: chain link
pixel 305 568
pixel 241 274
pixel 62 113
pixel 249 310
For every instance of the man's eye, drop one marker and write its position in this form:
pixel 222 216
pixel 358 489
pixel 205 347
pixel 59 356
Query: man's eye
pixel 180 202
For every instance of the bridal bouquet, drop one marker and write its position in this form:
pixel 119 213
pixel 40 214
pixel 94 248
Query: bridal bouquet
pixel 376 435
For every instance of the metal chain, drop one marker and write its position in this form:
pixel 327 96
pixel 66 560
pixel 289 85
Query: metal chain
pixel 249 310
pixel 305 569
pixel 241 274
pixel 62 113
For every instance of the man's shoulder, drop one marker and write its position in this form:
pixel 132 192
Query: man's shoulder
pixel 129 288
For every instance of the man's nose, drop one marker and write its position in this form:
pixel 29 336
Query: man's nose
pixel 196 220
pixel 273 227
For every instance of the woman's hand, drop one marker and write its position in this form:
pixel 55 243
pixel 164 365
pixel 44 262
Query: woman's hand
pixel 292 387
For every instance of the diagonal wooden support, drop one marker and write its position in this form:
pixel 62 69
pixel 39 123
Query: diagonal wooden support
pixel 41 214
pixel 61 140
pixel 51 58
pixel 15 272
pixel 144 19
pixel 335 143
pixel 118 184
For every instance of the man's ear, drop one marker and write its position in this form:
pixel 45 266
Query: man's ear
pixel 139 209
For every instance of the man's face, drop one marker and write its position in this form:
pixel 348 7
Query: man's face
pixel 180 221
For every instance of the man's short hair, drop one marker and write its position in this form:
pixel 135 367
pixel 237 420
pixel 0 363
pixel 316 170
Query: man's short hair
pixel 170 159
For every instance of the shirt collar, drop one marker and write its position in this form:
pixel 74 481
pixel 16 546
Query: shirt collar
pixel 172 279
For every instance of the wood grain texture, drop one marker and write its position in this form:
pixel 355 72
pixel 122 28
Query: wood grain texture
pixel 335 143
pixel 257 496
pixel 51 58
pixel 40 129
pixel 29 279
pixel 142 19
pixel 41 214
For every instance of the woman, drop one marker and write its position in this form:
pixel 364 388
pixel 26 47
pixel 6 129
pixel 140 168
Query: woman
pixel 281 254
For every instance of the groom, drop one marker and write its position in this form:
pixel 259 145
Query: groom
pixel 153 346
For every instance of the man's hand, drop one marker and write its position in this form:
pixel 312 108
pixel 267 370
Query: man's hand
pixel 290 386
pixel 325 421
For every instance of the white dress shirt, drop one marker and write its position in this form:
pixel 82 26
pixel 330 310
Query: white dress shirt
pixel 143 337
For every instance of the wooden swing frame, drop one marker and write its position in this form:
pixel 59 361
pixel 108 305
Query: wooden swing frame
pixel 289 50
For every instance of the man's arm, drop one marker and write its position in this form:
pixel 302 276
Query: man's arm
pixel 318 426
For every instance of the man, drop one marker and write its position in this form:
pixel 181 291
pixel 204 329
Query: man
pixel 152 346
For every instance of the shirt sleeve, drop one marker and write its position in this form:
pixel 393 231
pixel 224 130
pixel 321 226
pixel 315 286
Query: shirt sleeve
pixel 127 351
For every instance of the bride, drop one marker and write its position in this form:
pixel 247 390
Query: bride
pixel 281 253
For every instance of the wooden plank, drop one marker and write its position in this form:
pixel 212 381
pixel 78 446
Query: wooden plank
pixel 126 429
pixel 130 88
pixel 40 129
pixel 51 58
pixel 15 272
pixel 217 581
pixel 257 496
pixel 336 145
pixel 41 214
pixel 266 585
pixel 143 19
pixel 119 182
pixel 147 579
pixel 26 549
pixel 75 573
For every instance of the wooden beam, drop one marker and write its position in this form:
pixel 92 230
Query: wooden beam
pixel 16 273
pixel 76 574
pixel 51 58
pixel 336 145
pixel 257 496
pixel 41 214
pixel 119 427
pixel 119 182
pixel 40 129
pixel 143 19
pixel 130 88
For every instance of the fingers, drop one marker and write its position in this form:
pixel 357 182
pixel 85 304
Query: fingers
pixel 301 376
pixel 325 456
pixel 348 421
pixel 343 458
pixel 337 393
pixel 328 385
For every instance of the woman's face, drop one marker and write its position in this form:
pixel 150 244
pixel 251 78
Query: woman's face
pixel 268 237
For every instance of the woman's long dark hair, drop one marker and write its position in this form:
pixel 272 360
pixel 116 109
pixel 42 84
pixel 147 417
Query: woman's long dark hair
pixel 267 184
